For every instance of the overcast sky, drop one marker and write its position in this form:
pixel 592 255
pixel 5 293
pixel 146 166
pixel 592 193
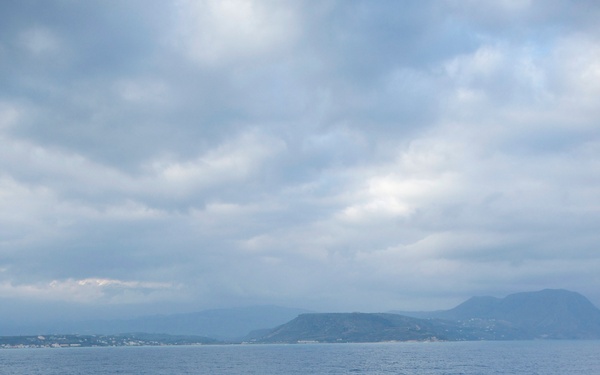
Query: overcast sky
pixel 331 155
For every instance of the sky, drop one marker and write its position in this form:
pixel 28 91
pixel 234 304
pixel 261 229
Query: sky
pixel 175 156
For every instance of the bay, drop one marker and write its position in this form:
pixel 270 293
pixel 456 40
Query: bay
pixel 435 358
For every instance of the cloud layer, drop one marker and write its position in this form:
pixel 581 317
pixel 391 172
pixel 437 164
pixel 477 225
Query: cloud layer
pixel 334 156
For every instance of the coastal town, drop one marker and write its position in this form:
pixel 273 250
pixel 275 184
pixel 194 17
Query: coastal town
pixel 75 341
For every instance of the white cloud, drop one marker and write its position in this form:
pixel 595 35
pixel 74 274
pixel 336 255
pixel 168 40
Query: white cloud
pixel 9 115
pixel 41 42
pixel 92 291
pixel 484 62
pixel 577 73
pixel 231 162
pixel 144 92
pixel 216 31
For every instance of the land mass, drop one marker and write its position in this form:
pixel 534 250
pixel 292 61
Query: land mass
pixel 222 324
pixel 547 314
pixel 130 339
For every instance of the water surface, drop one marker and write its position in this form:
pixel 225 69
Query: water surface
pixel 491 357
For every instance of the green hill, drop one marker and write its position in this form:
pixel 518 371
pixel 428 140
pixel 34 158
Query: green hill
pixel 548 314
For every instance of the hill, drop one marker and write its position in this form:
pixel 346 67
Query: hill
pixel 547 314
pixel 350 327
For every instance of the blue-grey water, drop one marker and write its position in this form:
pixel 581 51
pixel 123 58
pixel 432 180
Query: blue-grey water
pixel 507 357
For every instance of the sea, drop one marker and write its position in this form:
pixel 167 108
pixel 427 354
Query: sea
pixel 432 358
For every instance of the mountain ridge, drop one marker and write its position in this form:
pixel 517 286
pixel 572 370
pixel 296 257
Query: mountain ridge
pixel 546 314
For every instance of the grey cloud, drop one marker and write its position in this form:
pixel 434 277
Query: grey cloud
pixel 343 156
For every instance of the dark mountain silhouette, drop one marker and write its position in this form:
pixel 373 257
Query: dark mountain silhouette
pixel 551 313
pixel 547 314
pixel 351 327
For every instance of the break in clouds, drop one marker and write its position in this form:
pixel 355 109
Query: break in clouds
pixel 335 155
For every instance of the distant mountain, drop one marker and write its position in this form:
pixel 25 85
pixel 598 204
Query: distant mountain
pixel 548 314
pixel 379 327
pixel 223 324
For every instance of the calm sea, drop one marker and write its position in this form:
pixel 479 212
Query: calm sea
pixel 510 357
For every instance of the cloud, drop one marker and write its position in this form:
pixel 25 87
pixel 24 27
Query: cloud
pixel 40 42
pixel 232 162
pixel 334 156
pixel 91 291
pixel 219 32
